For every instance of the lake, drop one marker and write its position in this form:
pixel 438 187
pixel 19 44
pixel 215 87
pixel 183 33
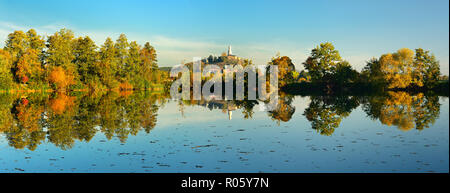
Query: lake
pixel 148 132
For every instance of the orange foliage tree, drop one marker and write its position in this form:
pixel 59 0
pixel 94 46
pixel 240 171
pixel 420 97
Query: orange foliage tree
pixel 29 67
pixel 60 78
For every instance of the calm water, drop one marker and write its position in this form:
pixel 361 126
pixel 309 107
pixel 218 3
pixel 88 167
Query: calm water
pixel 147 132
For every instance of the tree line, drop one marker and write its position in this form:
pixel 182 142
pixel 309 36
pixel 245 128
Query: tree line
pixel 325 69
pixel 62 61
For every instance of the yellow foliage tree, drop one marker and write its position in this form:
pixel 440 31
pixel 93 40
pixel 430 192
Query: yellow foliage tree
pixel 399 69
pixel 6 78
pixel 29 67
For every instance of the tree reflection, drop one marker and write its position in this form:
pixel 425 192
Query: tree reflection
pixel 60 121
pixel 64 119
pixel 284 109
pixel 326 112
pixel 404 110
pixel 27 120
pixel 25 130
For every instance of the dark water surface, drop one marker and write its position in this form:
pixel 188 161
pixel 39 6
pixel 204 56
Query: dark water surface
pixel 147 132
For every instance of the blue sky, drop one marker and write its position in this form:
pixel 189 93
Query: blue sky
pixel 258 30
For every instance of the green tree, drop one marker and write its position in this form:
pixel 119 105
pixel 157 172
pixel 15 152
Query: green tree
pixel 427 68
pixel 321 65
pixel 6 78
pixel 16 44
pixel 108 64
pixel 87 61
pixel 133 66
pixel 372 73
pixel 326 112
pixel 149 66
pixel 121 54
pixel 36 42
pixel 345 74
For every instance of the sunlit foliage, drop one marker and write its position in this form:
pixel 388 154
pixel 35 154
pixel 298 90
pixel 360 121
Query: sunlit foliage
pixel 427 68
pixel 403 69
pixel 61 77
pixel 398 68
pixel 6 77
pixel 63 119
pixel 66 62
pixel 404 110
pixel 322 62
pixel 285 69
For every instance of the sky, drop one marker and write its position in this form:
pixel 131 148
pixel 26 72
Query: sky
pixel 256 29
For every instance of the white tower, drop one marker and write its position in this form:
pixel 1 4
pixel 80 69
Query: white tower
pixel 229 51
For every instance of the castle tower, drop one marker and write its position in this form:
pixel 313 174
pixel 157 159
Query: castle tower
pixel 229 51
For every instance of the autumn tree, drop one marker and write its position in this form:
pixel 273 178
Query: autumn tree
pixel 6 78
pixel 60 78
pixel 398 67
pixel 403 69
pixel 285 69
pixel 60 57
pixel 28 67
pixel 26 51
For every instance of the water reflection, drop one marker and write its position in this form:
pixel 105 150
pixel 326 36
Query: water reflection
pixel 26 121
pixel 403 110
pixel 326 112
pixel 284 109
